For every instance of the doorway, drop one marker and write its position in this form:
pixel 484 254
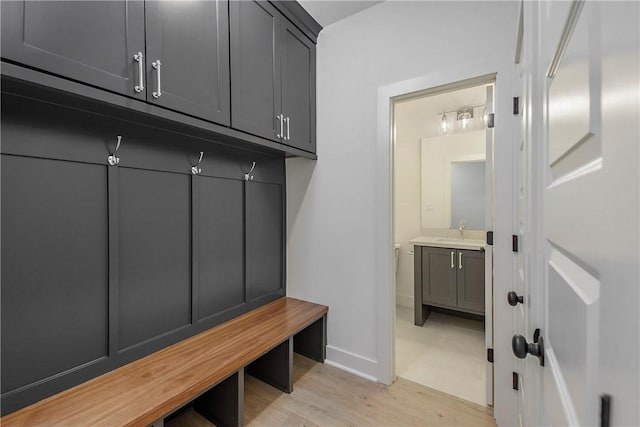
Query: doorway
pixel 442 209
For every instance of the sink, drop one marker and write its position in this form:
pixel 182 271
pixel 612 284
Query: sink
pixel 448 242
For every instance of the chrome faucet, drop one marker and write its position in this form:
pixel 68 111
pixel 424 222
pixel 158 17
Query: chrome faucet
pixel 461 230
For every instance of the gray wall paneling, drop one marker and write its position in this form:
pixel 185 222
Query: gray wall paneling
pixel 37 133
pixel 264 239
pixel 220 245
pixel 154 254
pixel 54 245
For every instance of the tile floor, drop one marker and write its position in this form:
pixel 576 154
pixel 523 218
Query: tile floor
pixel 447 354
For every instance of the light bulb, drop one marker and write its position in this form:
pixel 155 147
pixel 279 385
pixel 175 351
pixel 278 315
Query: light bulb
pixel 465 122
pixel 444 124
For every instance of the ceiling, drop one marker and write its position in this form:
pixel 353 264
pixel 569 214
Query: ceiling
pixel 326 12
pixel 426 111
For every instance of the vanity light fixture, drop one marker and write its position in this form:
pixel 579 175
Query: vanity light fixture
pixel 464 116
pixel 463 119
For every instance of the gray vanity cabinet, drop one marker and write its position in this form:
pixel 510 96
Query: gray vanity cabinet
pixel 93 42
pixel 448 278
pixel 470 280
pixel 438 276
pixel 187 65
pixel 273 76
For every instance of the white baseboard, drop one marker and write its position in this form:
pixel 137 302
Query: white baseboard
pixel 404 300
pixel 352 363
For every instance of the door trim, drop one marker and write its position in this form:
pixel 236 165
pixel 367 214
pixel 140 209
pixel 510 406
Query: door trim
pixel 503 68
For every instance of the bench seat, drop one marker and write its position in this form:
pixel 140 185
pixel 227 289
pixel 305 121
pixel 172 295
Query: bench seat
pixel 144 391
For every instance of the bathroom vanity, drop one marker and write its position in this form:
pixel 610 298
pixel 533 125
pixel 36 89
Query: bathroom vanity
pixel 449 274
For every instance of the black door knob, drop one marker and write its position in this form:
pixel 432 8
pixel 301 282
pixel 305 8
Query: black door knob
pixel 514 299
pixel 521 347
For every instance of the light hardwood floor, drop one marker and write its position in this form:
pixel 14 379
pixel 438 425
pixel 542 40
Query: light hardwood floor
pixel 327 396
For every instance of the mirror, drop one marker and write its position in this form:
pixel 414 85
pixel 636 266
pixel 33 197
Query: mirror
pixel 467 194
pixel 453 181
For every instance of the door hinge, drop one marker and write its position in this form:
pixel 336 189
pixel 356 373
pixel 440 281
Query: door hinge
pixel 491 120
pixel 516 105
pixel 514 243
pixel 490 238
pixel 515 382
pixel 490 355
pixel 605 410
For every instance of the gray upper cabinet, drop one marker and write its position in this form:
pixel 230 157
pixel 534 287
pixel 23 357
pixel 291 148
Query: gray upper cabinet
pixel 248 65
pixel 188 57
pixel 272 76
pixel 94 42
pixel 298 88
pixel 255 68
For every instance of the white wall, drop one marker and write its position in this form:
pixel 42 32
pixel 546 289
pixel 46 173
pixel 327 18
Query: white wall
pixel 423 178
pixel 332 222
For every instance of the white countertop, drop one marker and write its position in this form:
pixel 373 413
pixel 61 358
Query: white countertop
pixel 448 242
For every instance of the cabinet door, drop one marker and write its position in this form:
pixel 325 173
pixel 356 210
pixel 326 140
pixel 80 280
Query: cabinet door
pixel 470 265
pixel 189 44
pixel 255 85
pixel 54 268
pixel 154 254
pixel 220 245
pixel 93 42
pixel 298 55
pixel 439 276
pixel 264 239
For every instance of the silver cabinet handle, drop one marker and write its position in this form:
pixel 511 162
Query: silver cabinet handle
pixel 281 133
pixel 157 66
pixel 460 260
pixel 138 57
pixel 288 130
pixel 452 255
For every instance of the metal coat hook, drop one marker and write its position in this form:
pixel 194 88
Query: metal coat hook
pixel 113 159
pixel 248 176
pixel 195 169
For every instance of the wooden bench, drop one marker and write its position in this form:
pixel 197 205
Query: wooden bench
pixel 206 369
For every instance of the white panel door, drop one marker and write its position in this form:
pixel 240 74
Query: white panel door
pixel 584 132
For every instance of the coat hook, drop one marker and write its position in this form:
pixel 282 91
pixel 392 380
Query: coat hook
pixel 195 169
pixel 248 176
pixel 113 159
